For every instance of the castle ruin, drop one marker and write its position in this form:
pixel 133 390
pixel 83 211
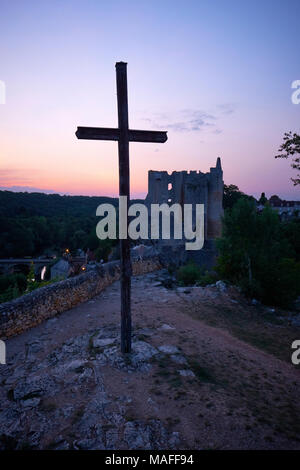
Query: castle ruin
pixel 191 187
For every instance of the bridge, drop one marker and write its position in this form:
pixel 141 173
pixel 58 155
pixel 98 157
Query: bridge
pixel 9 265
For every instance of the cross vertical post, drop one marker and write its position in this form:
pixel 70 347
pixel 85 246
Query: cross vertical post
pixel 124 190
pixel 123 135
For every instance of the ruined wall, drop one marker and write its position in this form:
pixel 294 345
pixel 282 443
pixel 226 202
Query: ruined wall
pixel 31 309
pixel 215 201
pixel 193 187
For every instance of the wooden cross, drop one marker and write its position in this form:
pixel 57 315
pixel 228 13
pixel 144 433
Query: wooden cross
pixel 123 135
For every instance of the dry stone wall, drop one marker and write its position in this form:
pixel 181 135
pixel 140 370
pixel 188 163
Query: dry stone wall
pixel 31 309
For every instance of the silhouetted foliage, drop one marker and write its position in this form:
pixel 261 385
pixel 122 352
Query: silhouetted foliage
pixel 33 224
pixel 48 205
pixel 263 200
pixel 11 286
pixel 37 224
pixel 232 194
pixel 291 148
pixel 188 274
pixel 260 253
pixel 191 274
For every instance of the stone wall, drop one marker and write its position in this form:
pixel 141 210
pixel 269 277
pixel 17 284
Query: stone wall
pixel 193 187
pixel 31 309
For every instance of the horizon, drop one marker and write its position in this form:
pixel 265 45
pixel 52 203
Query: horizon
pixel 231 96
pixel 30 190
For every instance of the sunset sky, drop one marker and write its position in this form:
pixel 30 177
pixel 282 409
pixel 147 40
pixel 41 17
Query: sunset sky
pixel 216 75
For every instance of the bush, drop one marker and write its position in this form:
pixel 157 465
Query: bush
pixel 15 285
pixel 37 284
pixel 283 285
pixel 12 286
pixel 207 278
pixel 12 292
pixel 172 268
pixel 104 249
pixel 190 273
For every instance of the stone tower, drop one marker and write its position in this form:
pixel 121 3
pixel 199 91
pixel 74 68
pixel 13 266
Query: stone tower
pixel 191 187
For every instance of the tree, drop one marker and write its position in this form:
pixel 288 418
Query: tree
pixel 263 199
pixel 11 286
pixel 104 249
pixel 78 239
pixel 238 243
pixel 232 194
pixel 255 254
pixel 291 148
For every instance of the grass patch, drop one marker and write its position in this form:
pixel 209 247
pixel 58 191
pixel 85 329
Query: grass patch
pixel 202 373
pixel 253 325
pixel 176 382
pixel 92 350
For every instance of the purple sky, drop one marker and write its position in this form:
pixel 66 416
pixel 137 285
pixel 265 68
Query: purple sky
pixel 216 75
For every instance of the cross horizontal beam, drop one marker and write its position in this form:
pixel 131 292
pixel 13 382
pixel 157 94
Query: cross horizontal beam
pixel 123 135
pixel 110 133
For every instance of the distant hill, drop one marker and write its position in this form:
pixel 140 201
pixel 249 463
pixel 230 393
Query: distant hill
pixel 13 204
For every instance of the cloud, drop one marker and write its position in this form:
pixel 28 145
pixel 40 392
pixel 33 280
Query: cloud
pixel 191 120
pixel 186 120
pixel 28 189
pixel 227 108
pixel 15 179
pixel 198 114
pixel 187 126
pixel 8 175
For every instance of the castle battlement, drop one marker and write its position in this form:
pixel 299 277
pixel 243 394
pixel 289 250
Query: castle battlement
pixel 191 187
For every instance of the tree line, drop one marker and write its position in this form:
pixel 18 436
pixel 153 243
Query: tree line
pixel 257 251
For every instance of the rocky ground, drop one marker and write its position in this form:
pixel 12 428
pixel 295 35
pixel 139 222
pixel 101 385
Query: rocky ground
pixel 208 371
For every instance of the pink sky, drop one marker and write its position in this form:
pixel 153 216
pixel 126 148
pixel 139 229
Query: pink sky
pixel 218 80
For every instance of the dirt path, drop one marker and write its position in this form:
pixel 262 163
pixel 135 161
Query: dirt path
pixel 67 386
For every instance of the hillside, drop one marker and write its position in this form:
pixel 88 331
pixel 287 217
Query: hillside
pixel 207 371
pixel 32 224
pixel 14 204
